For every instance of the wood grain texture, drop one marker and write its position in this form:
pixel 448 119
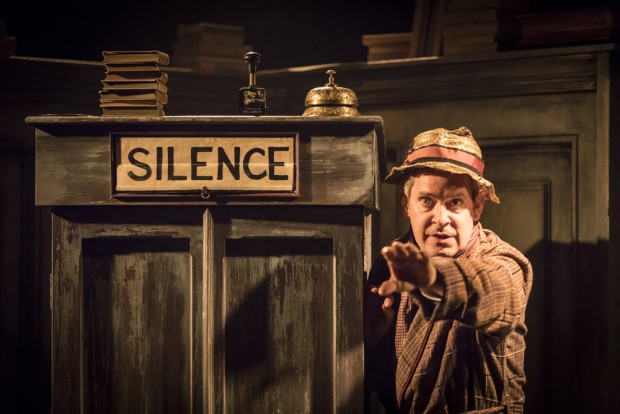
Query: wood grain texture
pixel 72 168
pixel 127 331
pixel 279 327
pixel 285 322
pixel 270 319
pixel 66 298
pixel 137 325
pixel 340 160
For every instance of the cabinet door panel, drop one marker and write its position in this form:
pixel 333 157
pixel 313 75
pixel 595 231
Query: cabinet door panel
pixel 285 320
pixel 125 337
pixel 136 325
pixel 279 326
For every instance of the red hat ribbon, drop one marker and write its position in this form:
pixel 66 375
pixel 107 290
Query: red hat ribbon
pixel 443 154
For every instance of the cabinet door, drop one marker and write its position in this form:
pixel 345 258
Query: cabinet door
pixel 126 312
pixel 284 315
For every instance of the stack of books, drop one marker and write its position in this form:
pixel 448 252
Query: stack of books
pixel 481 26
pixel 134 84
pixel 210 48
pixel 387 46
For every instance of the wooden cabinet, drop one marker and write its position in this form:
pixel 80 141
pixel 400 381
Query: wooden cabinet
pixel 173 303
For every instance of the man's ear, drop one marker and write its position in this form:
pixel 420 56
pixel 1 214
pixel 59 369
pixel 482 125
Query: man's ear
pixel 479 205
pixel 404 203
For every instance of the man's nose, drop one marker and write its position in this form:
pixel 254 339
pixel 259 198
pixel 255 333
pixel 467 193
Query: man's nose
pixel 440 215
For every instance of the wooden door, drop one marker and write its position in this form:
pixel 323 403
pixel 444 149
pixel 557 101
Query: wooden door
pixel 284 316
pixel 536 181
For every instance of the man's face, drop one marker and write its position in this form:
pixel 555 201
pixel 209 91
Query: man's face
pixel 442 213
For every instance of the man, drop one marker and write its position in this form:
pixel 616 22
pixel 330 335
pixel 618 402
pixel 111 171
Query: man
pixel 450 334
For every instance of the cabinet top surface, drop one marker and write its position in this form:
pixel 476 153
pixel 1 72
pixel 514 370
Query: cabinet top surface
pixel 199 119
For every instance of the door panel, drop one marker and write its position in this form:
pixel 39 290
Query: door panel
pixel 279 329
pixel 535 181
pixel 124 318
pixel 136 324
pixel 285 320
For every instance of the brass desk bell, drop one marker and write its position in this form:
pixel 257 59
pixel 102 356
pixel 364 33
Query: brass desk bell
pixel 253 100
pixel 331 100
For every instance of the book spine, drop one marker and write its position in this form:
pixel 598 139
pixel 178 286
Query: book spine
pixel 129 85
pixel 137 76
pixel 136 57
pixel 133 112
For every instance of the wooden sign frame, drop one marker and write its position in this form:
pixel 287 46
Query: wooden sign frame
pixel 253 146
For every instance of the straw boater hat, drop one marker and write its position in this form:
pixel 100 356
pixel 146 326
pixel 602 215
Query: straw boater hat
pixel 453 151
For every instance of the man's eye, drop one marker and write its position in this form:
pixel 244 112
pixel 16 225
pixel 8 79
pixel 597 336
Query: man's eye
pixel 455 202
pixel 426 201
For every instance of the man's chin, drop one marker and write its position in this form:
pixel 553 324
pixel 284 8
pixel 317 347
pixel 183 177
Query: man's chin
pixel 441 251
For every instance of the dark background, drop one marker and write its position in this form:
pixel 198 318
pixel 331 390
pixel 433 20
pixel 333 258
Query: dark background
pixel 287 33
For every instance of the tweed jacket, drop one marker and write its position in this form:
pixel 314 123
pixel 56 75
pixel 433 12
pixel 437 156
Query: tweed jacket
pixel 463 352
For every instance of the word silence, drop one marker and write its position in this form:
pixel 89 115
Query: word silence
pixel 161 164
